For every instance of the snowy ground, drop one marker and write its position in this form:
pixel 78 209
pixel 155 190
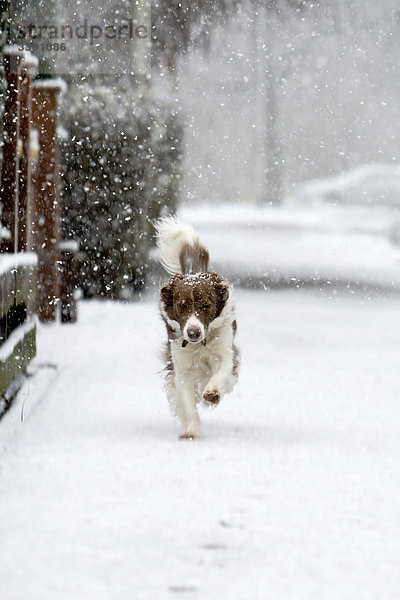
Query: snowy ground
pixel 292 494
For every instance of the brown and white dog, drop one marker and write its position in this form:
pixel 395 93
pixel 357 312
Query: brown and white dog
pixel 196 305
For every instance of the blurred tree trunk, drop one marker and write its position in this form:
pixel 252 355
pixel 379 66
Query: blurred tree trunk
pixel 273 166
pixel 276 13
pixel 140 55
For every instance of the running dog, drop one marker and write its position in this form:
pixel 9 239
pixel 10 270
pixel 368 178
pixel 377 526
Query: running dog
pixel 201 358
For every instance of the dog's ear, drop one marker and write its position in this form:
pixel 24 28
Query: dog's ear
pixel 167 294
pixel 221 287
pixel 167 290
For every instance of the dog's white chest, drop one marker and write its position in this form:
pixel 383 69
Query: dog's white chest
pixel 196 357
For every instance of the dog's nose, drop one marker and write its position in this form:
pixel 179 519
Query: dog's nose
pixel 193 333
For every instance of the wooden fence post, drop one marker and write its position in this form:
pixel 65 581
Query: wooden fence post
pixel 9 176
pixel 69 274
pixel 25 196
pixel 47 227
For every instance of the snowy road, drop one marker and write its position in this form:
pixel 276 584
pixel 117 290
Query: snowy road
pixel 293 494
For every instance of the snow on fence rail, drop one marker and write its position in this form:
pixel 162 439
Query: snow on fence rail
pixel 17 324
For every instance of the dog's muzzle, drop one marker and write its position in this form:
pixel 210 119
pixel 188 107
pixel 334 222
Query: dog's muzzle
pixel 193 331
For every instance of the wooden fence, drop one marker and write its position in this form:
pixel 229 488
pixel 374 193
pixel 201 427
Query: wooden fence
pixel 36 273
pixel 17 324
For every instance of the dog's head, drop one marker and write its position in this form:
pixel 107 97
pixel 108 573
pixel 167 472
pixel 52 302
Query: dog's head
pixel 194 301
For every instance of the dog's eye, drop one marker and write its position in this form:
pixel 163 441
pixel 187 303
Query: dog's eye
pixel 205 306
pixel 182 305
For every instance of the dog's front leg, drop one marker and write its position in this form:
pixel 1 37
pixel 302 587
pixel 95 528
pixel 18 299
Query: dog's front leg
pixel 220 380
pixel 186 405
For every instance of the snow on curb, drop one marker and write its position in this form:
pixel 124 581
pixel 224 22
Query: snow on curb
pixel 33 388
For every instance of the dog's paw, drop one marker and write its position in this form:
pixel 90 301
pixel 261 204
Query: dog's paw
pixel 211 396
pixel 188 435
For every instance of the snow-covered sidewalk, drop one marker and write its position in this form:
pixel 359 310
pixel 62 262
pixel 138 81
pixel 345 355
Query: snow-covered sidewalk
pixel 292 494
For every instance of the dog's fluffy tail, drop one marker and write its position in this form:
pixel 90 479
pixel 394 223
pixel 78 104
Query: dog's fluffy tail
pixel 179 247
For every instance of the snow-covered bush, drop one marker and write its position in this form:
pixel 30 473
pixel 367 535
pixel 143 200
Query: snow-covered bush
pixel 38 16
pixel 117 176
pixel 104 200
